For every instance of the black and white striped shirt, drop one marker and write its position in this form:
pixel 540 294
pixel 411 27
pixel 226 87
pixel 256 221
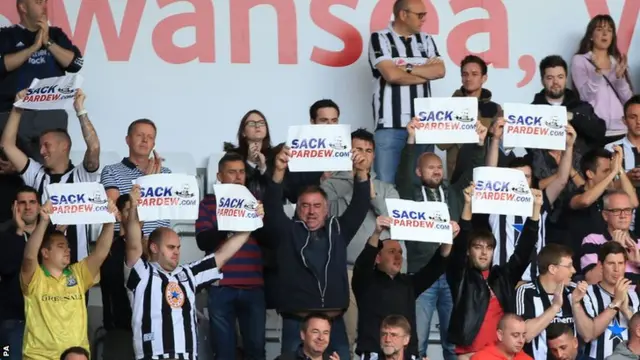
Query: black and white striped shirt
pixel 393 104
pixel 531 302
pixel 37 176
pixel 120 176
pixel 164 307
pixel 595 302
pixel 507 230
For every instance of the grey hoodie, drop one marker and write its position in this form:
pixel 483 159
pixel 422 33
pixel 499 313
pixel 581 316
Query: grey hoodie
pixel 622 352
pixel 339 189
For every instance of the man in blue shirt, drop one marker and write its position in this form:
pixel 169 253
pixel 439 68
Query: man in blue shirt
pixel 34 50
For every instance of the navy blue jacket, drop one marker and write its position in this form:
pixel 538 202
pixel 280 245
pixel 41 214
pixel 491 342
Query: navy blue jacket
pixel 40 65
pixel 299 288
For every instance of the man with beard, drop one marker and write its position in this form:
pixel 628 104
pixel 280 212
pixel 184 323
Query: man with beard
pixel 433 188
pixel 395 334
pixel 511 332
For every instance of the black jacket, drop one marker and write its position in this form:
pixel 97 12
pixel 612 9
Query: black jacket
pixel 299 288
pixel 378 296
pixel 11 301
pixel 469 289
pixel 298 355
pixel 589 127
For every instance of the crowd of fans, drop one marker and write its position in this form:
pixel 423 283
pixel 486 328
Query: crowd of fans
pixel 560 284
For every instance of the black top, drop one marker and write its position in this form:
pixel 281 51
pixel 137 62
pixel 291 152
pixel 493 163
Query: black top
pixel 378 295
pixel 116 311
pixel 40 65
pixel 11 301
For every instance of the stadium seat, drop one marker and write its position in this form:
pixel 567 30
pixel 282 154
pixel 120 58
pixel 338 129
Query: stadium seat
pixel 180 163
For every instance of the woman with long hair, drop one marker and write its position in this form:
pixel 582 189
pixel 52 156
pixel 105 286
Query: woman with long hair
pixel 254 144
pixel 600 74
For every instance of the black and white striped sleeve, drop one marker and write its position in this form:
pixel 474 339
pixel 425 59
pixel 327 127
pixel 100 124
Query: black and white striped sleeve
pixel 433 49
pixel 136 275
pixel 205 270
pixel 588 303
pixel 524 301
pixel 378 49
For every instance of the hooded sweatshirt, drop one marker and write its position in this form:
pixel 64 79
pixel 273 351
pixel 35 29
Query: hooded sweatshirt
pixel 622 352
pixel 339 189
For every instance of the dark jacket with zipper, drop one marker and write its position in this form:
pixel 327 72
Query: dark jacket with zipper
pixel 419 253
pixel 378 295
pixel 299 355
pixel 300 288
pixel 469 289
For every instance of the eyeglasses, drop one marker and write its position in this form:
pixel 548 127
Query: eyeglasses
pixel 255 124
pixel 569 266
pixel 420 15
pixel 618 212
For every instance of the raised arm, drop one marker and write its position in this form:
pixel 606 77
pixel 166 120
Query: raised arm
pixel 625 183
pixel 234 243
pixel 30 257
pixel 358 208
pixel 275 217
pixel 103 245
pixel 521 257
pixel 92 154
pixel 591 195
pixel 10 136
pixel 458 254
pixel 493 153
pixel 406 168
pixel 559 182
pixel 133 229
pixel 364 268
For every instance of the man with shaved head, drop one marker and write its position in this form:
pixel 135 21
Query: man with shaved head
pixel 629 350
pixel 511 333
pixel 433 187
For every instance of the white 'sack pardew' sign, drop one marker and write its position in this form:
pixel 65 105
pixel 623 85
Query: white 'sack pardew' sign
pixel 57 93
pixel 425 221
pixel 79 203
pixel 501 191
pixel 320 148
pixel 168 197
pixel 535 126
pixel 446 120
pixel 236 208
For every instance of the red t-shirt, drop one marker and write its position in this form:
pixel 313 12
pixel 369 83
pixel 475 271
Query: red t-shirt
pixel 487 334
pixel 493 353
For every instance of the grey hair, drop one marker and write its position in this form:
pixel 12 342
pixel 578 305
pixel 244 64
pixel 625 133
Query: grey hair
pixel 610 193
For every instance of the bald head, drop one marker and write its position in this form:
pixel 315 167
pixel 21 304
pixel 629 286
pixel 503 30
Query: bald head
pixel 507 320
pixel 429 169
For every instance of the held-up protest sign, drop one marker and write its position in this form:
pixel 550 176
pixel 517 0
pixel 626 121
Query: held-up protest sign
pixel 168 196
pixel 320 148
pixel 236 209
pixel 426 221
pixel 446 120
pixel 79 203
pixel 57 93
pixel 535 126
pixel 501 191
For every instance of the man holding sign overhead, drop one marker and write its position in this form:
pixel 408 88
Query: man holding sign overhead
pixel 483 291
pixel 382 290
pixel 434 188
pixel 312 252
pixel 162 292
pixel 54 291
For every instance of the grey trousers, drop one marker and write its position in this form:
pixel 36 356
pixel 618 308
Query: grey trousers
pixel 34 123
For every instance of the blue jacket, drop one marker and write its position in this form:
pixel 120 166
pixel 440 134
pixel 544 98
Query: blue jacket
pixel 300 289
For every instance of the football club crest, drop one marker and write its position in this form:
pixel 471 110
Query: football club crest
pixel 71 280
pixel 182 277
pixel 174 295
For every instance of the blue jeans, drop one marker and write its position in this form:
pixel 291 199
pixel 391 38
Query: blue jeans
pixel 389 145
pixel 338 338
pixel 437 297
pixel 11 335
pixel 247 306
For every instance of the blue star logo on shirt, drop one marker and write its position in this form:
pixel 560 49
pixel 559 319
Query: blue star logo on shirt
pixel 518 227
pixel 616 330
pixel 175 295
